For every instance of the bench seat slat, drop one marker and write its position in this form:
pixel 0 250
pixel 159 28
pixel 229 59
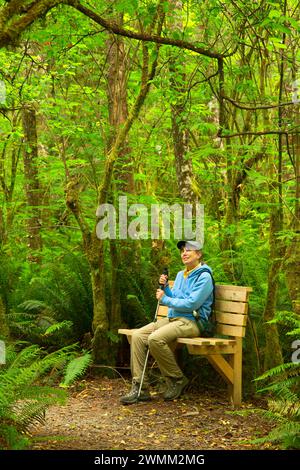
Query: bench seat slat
pixel 206 341
pixel 211 350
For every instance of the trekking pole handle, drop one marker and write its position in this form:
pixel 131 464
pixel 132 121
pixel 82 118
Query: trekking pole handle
pixel 165 273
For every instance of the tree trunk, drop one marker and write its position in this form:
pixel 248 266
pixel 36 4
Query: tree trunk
pixel 7 182
pixel 273 352
pixel 183 165
pixel 102 351
pixel 93 249
pixel 32 187
pixel 292 259
pixel 123 172
pixel 93 246
pixel 231 198
pixel 4 329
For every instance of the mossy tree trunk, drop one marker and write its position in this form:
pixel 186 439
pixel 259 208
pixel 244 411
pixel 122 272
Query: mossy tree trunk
pixel 180 134
pixel 4 329
pixel 292 259
pixel 94 247
pixel 32 186
pixel 117 83
pixel 8 181
pixel 273 352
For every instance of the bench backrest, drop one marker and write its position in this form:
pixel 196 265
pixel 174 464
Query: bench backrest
pixel 231 309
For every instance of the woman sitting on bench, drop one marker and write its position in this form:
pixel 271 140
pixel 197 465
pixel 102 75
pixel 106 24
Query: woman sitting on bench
pixel 192 293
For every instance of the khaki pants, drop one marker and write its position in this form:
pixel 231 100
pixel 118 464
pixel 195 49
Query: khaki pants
pixel 159 336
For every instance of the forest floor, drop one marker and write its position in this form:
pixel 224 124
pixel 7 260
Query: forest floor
pixel 94 419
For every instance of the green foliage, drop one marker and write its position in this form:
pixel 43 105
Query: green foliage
pixel 23 399
pixel 58 327
pixel 56 304
pixel 24 391
pixel 284 393
pixel 9 275
pixel 76 368
pixel 63 69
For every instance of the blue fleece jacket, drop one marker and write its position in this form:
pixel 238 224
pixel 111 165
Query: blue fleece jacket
pixel 195 292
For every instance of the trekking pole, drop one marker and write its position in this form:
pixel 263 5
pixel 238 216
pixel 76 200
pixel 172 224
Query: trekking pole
pixel 161 286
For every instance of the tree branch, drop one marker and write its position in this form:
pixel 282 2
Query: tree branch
pixel 17 16
pixel 258 133
pixel 113 27
pixel 254 108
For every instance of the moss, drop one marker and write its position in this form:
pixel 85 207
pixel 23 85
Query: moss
pixel 102 351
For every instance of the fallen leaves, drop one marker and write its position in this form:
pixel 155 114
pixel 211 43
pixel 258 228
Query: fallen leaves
pixel 95 419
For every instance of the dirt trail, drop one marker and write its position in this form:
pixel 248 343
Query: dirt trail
pixel 93 419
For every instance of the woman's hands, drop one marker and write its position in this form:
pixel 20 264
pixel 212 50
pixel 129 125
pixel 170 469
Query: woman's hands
pixel 159 294
pixel 162 281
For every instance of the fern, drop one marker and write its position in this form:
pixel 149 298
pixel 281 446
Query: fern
pixel 11 438
pixel 76 368
pixel 278 370
pixel 58 326
pixel 284 401
pixel 36 306
pixel 288 434
pixel 61 292
pixel 23 401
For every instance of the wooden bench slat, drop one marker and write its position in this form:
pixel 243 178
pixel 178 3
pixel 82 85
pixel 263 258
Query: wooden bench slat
pixel 231 307
pixel 209 350
pixel 235 288
pixel 203 341
pixel 231 330
pixel 235 293
pixel 162 311
pixel 231 318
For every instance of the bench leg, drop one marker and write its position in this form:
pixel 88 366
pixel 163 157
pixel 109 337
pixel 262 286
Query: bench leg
pixel 237 375
pixel 229 384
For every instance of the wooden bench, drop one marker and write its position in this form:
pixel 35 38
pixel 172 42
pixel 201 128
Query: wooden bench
pixel 231 308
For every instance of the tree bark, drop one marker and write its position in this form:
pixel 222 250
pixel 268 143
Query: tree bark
pixel 4 329
pixel 93 249
pixel 292 259
pixel 273 353
pixel 93 246
pixel 118 113
pixel 32 186
pixel 17 15
pixel 7 182
pixel 184 170
pixel 228 235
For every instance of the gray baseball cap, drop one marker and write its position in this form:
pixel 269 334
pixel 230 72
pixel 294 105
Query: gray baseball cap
pixel 189 244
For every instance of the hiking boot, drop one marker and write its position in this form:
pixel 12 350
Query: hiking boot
pixel 132 396
pixel 175 388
